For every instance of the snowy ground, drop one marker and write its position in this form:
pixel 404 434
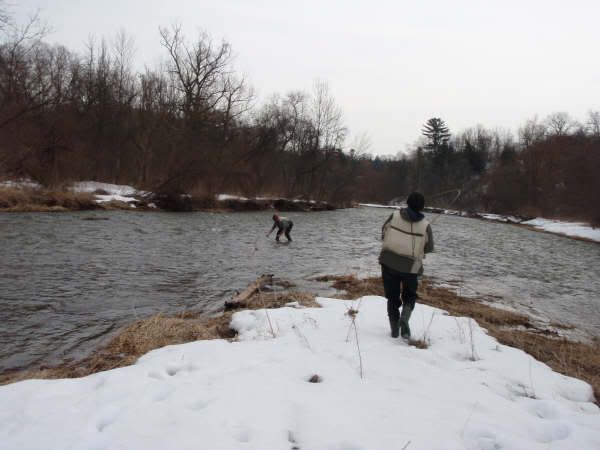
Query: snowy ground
pixel 464 392
pixel 567 228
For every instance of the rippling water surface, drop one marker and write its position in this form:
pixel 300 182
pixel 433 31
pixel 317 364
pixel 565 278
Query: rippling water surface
pixel 66 282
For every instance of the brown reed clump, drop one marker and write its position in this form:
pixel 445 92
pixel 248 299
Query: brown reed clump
pixel 45 200
pixel 351 287
pixel 418 343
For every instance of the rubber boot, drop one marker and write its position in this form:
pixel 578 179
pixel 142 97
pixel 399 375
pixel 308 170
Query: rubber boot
pixel 395 327
pixel 404 318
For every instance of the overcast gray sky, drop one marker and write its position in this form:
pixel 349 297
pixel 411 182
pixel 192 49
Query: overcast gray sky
pixel 391 65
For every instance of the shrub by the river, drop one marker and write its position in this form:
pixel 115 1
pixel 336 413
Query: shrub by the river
pixel 43 200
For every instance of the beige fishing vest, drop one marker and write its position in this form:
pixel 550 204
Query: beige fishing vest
pixel 407 239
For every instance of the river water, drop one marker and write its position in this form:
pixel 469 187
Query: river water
pixel 66 281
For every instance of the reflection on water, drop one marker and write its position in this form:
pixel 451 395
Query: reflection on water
pixel 66 282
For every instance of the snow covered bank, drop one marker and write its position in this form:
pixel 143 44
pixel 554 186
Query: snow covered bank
pixel 28 195
pixel 570 229
pixel 114 192
pixel 376 205
pixel 113 189
pixel 567 228
pixel 114 196
pixel 223 197
pixel 464 391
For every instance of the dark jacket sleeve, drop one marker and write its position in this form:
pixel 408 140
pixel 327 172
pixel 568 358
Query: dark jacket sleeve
pixel 383 228
pixel 429 243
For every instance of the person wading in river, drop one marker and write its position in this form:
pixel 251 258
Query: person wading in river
pixel 406 236
pixel 283 225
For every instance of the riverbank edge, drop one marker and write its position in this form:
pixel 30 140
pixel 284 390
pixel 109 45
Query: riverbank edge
pixel 21 199
pixel 15 200
pixel 514 220
pixel 571 358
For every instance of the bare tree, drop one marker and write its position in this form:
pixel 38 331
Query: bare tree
pixel 559 123
pixel 329 133
pixel 124 51
pixel 200 70
pixel 238 100
pixel 533 131
pixel 327 118
pixel 593 123
pixel 18 95
pixel 361 144
pixel 5 17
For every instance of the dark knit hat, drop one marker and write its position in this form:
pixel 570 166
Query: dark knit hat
pixel 275 217
pixel 416 201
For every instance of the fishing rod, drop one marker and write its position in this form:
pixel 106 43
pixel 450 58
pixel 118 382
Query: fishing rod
pixel 439 194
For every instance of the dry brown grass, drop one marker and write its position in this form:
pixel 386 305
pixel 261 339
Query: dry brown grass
pixel 45 200
pixel 419 343
pixel 352 287
pixel 456 305
pixel 142 336
pixel 570 358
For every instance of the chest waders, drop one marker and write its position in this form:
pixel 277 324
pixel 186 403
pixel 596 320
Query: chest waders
pixel 406 240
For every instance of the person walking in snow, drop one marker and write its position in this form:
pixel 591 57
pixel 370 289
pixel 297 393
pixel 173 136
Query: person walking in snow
pixel 283 225
pixel 407 237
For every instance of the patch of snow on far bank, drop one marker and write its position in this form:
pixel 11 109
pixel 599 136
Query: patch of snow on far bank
pixel 500 218
pixel 113 189
pixel 567 228
pixel 222 197
pixel 375 205
pixel 114 197
pixel 116 192
pixel 20 184
pixel 465 391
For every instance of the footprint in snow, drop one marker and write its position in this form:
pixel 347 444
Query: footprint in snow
pixel 162 394
pixel 155 375
pixel 107 417
pixel 198 404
